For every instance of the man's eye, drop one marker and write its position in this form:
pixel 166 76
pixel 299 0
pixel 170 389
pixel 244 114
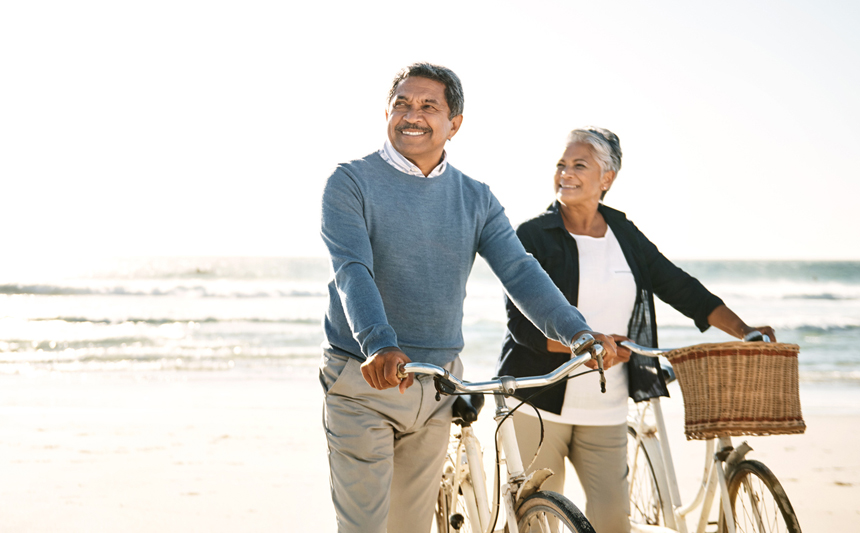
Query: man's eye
pixel 560 166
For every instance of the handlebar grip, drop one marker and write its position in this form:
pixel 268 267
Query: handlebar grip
pixel 582 344
pixel 756 336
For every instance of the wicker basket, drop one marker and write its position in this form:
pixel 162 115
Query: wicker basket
pixel 739 388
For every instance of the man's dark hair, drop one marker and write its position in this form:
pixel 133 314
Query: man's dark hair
pixel 445 76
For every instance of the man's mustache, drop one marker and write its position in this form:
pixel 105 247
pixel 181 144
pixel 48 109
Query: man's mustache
pixel 408 126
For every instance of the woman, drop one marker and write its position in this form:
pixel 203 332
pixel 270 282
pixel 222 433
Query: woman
pixel 578 239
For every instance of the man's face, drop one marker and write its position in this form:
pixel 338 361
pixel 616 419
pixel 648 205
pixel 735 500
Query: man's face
pixel 418 123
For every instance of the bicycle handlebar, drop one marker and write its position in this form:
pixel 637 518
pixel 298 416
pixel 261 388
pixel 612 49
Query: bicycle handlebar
pixel 753 336
pixel 584 348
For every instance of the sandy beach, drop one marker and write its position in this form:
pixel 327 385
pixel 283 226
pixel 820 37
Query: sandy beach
pixel 213 451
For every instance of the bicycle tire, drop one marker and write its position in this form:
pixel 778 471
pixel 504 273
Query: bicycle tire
pixel 545 511
pixel 646 505
pixel 758 500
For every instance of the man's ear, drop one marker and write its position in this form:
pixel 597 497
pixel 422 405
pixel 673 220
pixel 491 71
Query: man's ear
pixel 386 115
pixel 455 126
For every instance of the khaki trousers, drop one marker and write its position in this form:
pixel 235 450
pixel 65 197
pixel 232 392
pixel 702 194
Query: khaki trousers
pixel 385 449
pixel 599 455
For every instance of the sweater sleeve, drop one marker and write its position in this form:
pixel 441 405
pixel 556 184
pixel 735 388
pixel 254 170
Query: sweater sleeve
pixel 675 287
pixel 521 328
pixel 526 284
pixel 345 234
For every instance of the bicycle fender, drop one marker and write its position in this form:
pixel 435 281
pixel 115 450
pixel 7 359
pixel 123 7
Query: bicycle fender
pixel 532 484
pixel 737 455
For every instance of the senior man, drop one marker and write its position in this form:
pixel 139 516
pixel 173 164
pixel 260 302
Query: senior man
pixel 402 227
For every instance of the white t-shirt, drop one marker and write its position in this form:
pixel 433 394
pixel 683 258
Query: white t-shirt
pixel 607 294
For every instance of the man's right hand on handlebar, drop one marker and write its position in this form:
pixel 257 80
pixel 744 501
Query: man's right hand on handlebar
pixel 380 370
pixel 610 356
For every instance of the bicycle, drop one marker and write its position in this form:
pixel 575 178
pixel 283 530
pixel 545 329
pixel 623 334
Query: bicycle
pixel 749 492
pixel 463 503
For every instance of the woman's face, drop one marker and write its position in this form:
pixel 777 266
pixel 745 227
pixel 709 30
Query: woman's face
pixel 578 178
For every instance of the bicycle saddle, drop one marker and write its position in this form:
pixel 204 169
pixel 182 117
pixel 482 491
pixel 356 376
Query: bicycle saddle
pixel 466 408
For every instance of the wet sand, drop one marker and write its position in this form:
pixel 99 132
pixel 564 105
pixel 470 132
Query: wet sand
pixel 210 451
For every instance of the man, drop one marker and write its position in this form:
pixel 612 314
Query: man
pixel 402 227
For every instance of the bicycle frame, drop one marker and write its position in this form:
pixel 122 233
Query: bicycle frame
pixel 714 475
pixel 511 490
pixel 472 481
pixel 468 474
pixel 470 477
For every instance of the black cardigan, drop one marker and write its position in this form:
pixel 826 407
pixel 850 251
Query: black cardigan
pixel 524 350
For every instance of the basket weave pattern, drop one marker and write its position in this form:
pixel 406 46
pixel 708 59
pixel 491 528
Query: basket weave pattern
pixel 739 388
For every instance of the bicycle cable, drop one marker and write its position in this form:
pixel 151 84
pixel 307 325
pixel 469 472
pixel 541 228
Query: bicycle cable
pixel 497 474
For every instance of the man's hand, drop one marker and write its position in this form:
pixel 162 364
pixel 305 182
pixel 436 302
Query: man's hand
pixel 610 350
pixel 380 370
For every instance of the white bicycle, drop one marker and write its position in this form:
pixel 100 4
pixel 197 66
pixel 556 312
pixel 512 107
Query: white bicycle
pixel 749 491
pixel 463 503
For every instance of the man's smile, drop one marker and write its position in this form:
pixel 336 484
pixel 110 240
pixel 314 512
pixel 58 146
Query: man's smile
pixel 412 130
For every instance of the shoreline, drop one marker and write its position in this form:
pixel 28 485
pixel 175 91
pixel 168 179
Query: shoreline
pixel 221 451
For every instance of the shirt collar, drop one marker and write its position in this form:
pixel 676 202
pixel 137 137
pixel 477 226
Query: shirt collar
pixel 551 218
pixel 396 160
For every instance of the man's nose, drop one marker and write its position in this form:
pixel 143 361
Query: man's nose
pixel 413 114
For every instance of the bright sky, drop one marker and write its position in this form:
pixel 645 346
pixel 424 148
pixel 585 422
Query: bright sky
pixel 188 127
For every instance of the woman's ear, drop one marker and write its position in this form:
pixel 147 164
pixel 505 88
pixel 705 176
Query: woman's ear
pixel 607 179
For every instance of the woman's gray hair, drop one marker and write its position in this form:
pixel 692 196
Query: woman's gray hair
pixel 606 146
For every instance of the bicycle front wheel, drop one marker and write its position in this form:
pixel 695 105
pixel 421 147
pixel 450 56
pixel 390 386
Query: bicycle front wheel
pixel 759 501
pixel 645 503
pixel 550 512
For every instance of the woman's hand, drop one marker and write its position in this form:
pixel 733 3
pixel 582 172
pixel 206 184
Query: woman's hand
pixel 725 319
pixel 623 353
pixel 764 330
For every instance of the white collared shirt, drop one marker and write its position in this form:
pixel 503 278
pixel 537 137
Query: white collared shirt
pixel 396 160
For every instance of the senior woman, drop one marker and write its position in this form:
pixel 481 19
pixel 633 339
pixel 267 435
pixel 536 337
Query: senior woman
pixel 607 268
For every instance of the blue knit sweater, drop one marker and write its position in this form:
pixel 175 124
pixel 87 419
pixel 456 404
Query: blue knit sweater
pixel 402 248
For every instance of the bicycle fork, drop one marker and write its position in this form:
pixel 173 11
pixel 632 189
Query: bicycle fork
pixel 731 457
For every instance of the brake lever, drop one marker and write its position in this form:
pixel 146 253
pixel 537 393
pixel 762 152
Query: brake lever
pixel 443 386
pixel 598 354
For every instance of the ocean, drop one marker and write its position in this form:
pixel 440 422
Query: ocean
pixel 168 317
